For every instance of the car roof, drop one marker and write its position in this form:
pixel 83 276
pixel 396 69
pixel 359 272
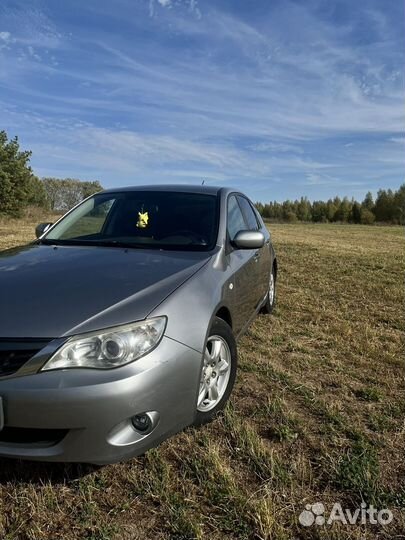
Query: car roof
pixel 185 188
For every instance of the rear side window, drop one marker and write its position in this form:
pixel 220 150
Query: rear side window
pixel 236 222
pixel 249 213
pixel 259 219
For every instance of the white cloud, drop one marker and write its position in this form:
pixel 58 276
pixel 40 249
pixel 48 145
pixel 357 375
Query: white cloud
pixel 180 5
pixel 32 53
pixel 276 147
pixel 298 93
pixel 316 179
pixel 195 9
pixel 398 140
pixel 6 40
pixel 5 36
pixel 218 95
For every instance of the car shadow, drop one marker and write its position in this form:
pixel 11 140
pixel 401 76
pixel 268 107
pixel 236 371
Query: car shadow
pixel 16 470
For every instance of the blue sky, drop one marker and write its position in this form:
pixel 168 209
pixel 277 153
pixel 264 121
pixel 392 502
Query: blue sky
pixel 279 98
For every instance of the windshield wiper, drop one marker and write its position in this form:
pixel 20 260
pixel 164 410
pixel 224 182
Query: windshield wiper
pixel 117 243
pixel 95 243
pixel 123 245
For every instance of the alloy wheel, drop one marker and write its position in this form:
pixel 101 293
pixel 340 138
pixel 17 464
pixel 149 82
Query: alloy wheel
pixel 215 373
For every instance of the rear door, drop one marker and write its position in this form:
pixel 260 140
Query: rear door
pixel 261 255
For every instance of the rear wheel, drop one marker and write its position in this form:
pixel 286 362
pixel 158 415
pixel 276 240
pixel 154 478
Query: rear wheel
pixel 218 372
pixel 270 303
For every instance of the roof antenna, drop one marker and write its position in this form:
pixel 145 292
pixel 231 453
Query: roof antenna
pixel 203 182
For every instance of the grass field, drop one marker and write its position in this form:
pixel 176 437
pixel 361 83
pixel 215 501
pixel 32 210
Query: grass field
pixel 317 415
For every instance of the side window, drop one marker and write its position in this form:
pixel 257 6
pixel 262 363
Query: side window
pixel 249 214
pixel 259 219
pixel 236 222
pixel 90 223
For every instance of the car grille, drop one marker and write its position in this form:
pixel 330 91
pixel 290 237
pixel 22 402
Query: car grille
pixel 31 436
pixel 15 353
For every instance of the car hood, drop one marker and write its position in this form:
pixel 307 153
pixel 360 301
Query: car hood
pixel 49 291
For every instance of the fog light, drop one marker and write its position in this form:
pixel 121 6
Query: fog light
pixel 142 422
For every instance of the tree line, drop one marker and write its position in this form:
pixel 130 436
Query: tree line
pixel 20 188
pixel 388 207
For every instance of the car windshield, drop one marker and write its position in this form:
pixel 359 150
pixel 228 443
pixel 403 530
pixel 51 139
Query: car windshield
pixel 146 219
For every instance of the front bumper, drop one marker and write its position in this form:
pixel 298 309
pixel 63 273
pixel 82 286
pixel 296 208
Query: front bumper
pixel 93 408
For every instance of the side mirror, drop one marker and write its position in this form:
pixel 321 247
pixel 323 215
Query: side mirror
pixel 41 229
pixel 249 240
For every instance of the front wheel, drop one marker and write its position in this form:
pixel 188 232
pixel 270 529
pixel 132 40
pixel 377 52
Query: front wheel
pixel 218 372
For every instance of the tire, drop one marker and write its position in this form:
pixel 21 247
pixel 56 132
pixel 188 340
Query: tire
pixel 220 349
pixel 270 303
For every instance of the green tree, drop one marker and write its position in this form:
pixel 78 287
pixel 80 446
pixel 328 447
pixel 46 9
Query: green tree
pixel 19 187
pixel 388 207
pixel 355 214
pixel 331 207
pixel 320 212
pixel 260 208
pixel 366 216
pixel 303 209
pixel 37 193
pixel 399 205
pixel 343 210
pixel 290 216
pixel 64 194
pixel 288 210
pixel 368 202
pixel 384 205
pixel 89 188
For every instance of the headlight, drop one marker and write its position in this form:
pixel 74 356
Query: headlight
pixel 109 348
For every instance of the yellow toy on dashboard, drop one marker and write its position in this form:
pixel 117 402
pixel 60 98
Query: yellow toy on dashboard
pixel 143 219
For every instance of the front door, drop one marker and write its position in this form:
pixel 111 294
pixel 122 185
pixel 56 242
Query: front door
pixel 243 268
pixel 262 255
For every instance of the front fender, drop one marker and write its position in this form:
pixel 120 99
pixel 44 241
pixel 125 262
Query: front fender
pixel 191 308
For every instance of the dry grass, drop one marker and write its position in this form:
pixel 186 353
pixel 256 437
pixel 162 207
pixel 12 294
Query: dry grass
pixel 317 415
pixel 14 232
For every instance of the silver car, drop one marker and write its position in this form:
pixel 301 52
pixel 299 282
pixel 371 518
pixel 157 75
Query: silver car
pixel 118 326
